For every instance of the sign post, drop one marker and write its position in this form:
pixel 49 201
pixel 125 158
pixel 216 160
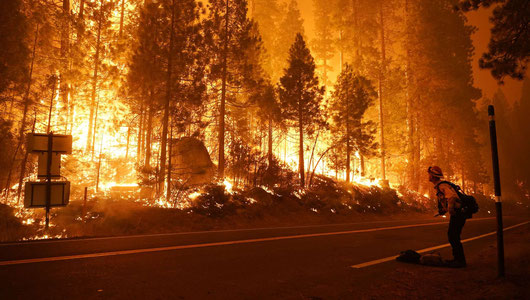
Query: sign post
pixel 49 179
pixel 497 184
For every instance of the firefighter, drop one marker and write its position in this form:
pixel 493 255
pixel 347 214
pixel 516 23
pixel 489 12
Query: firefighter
pixel 449 202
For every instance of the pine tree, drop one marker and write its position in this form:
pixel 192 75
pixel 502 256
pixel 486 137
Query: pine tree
pixel 301 96
pixel 508 50
pixel 352 96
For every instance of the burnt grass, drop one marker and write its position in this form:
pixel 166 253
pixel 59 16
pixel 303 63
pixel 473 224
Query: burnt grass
pixel 326 202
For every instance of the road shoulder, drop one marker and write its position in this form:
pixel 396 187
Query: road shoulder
pixel 477 281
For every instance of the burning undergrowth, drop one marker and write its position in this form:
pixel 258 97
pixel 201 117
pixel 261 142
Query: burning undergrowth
pixel 216 206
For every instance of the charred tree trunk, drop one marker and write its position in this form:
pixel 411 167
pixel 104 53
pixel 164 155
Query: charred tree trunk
pixel 94 80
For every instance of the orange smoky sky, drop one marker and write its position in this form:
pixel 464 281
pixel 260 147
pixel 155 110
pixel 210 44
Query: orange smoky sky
pixel 482 78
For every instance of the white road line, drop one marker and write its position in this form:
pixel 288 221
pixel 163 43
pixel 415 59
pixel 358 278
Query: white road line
pixel 40 242
pixel 180 247
pixel 382 260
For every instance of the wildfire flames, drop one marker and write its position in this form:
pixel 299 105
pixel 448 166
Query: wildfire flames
pixel 129 88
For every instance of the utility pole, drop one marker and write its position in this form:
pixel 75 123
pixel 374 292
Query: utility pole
pixel 497 185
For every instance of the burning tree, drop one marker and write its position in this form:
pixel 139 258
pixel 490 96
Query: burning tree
pixel 301 96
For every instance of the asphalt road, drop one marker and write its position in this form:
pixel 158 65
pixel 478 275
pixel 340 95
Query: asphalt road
pixel 309 262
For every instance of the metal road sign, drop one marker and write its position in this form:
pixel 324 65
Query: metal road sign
pixel 38 142
pixel 35 194
pixel 43 164
pixel 48 193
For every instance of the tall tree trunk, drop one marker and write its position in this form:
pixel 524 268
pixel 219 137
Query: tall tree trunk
pixel 95 126
pixel 128 138
pixel 363 165
pixel 381 79
pixel 122 13
pixel 348 145
pixel 221 167
pixel 341 53
pixel 463 178
pixel 65 47
pixel 139 148
pixel 311 162
pixel 54 83
pixel 94 80
pixel 417 152
pixel 301 141
pixel 168 192
pixel 81 9
pixel 269 154
pixel 411 125
pixel 163 143
pixel 149 132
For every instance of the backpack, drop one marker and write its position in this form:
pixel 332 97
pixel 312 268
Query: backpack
pixel 468 202
pixel 409 256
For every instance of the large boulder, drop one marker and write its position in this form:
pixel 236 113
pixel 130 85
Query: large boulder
pixel 191 162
